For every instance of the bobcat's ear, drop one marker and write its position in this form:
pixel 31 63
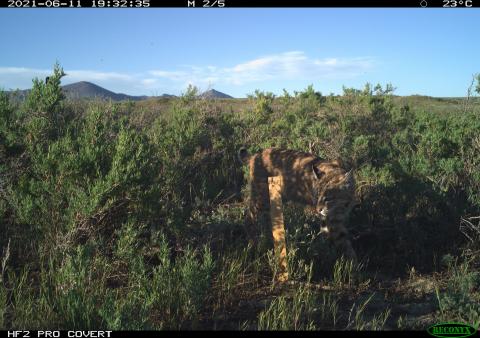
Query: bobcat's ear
pixel 338 162
pixel 317 173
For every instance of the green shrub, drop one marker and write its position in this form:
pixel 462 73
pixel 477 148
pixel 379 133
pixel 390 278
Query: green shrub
pixel 461 299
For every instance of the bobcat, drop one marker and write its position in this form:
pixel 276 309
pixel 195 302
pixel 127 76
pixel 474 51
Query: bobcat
pixel 308 180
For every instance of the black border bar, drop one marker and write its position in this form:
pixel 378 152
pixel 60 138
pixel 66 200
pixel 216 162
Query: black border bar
pixel 324 3
pixel 219 4
pixel 208 333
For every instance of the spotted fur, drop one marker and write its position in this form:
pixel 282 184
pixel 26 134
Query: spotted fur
pixel 309 180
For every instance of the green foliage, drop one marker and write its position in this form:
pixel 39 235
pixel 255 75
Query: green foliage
pixel 198 160
pixel 190 94
pixel 286 98
pixel 171 295
pixel 46 96
pixel 290 314
pixel 346 273
pixel 42 110
pixel 262 104
pixel 309 100
pixel 8 132
pixel 120 223
pixel 74 295
pixel 460 300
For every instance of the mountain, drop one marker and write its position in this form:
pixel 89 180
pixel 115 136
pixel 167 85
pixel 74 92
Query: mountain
pixel 214 94
pixel 88 90
pixel 167 96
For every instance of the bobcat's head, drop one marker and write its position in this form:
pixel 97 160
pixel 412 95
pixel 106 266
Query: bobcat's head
pixel 334 190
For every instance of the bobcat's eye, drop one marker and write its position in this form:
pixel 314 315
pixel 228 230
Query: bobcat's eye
pixel 327 199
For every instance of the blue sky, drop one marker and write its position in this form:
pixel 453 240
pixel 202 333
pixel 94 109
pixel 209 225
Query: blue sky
pixel 154 51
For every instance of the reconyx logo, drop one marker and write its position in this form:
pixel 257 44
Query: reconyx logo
pixel 451 330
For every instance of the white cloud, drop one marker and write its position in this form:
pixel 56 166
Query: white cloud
pixel 21 70
pixel 20 77
pixel 89 75
pixel 293 65
pixel 174 76
pixel 149 82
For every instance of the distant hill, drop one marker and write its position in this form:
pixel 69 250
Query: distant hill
pixel 88 90
pixel 167 96
pixel 214 94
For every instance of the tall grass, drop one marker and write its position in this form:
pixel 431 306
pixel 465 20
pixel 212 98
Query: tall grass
pixel 460 299
pixel 290 313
